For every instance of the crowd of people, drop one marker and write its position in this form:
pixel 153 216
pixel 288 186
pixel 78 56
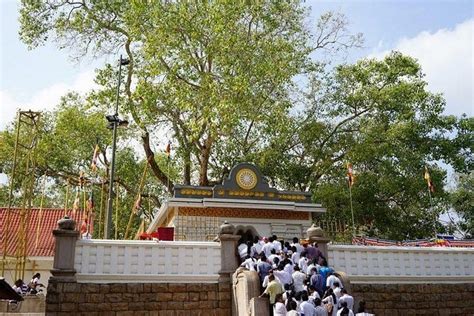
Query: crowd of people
pixel 296 278
pixel 33 287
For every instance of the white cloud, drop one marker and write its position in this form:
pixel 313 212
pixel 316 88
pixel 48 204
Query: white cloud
pixel 446 57
pixel 45 99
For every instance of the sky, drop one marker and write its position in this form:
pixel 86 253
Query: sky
pixel 438 33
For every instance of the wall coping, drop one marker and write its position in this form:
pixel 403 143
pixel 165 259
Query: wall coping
pixel 404 279
pixel 149 243
pixel 398 248
pixel 146 278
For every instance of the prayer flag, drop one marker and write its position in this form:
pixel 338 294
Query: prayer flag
pixel 168 150
pixel 138 204
pixel 94 157
pixel 429 182
pixel 350 175
pixel 84 226
pixel 82 179
pixel 75 205
pixel 90 202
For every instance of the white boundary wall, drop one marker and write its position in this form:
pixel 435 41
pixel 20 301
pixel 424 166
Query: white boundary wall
pixel 373 264
pixel 124 261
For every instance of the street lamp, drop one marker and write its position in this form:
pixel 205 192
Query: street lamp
pixel 114 122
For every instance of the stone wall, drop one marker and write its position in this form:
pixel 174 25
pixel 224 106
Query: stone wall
pixel 31 304
pixel 416 299
pixel 170 299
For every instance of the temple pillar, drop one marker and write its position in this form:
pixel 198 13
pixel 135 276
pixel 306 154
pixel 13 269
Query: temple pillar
pixel 65 247
pixel 316 234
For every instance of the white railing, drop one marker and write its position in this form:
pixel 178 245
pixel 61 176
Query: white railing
pixel 370 264
pixel 115 261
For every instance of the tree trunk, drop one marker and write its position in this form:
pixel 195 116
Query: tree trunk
pixel 150 155
pixel 187 168
pixel 204 162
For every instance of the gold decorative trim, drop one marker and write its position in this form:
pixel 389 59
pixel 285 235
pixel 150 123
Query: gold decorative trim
pixel 242 213
pixel 294 197
pixel 196 192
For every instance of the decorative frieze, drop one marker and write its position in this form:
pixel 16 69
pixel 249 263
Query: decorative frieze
pixel 243 213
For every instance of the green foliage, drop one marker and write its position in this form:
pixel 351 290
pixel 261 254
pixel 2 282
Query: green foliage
pixel 231 82
pixel 462 199
pixel 201 71
pixel 67 139
pixel 379 116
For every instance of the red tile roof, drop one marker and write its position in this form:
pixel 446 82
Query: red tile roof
pixel 48 218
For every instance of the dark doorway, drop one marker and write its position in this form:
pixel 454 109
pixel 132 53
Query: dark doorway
pixel 247 233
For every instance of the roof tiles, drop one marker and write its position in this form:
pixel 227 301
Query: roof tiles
pixel 43 246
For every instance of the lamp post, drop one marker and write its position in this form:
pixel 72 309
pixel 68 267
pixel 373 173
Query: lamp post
pixel 114 122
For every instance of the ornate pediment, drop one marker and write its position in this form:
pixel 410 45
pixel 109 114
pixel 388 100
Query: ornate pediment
pixel 245 181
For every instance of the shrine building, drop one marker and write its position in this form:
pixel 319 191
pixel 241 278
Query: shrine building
pixel 244 199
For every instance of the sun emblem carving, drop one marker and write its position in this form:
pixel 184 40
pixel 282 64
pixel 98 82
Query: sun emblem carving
pixel 246 179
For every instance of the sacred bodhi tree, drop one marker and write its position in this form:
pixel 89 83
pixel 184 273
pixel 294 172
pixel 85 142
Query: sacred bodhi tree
pixel 199 70
pixel 244 82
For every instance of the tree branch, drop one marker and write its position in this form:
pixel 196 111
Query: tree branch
pixel 153 165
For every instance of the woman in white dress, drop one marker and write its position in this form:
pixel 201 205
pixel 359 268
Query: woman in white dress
pixel 330 302
pixel 279 308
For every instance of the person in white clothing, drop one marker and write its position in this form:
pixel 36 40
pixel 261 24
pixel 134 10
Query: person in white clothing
pixel 337 290
pixel 279 308
pixel 297 245
pixel 289 267
pixel 330 301
pixel 292 312
pixel 331 279
pixel 243 251
pixel 295 255
pixel 250 264
pixel 272 256
pixel 344 311
pixel 303 263
pixel 35 284
pixel 312 265
pixel 346 298
pixel 267 247
pixel 298 279
pixel 313 294
pixel 276 244
pixel 307 309
pixel 257 247
pixel 20 287
pixel 266 280
pixel 319 310
pixel 282 277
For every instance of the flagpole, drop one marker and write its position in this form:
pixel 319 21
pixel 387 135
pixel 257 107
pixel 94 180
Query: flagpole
pixel 67 196
pixel 90 206
pixel 101 208
pixel 430 188
pixel 352 211
pixel 84 213
pixel 432 210
pixel 116 210
pixel 168 150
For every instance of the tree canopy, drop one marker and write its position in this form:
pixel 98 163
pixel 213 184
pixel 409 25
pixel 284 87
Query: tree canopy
pixel 462 199
pixel 247 82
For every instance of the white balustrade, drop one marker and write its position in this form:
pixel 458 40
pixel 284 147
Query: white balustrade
pixel 115 261
pixel 377 264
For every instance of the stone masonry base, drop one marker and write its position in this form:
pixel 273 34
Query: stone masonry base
pixel 120 299
pixel 416 299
